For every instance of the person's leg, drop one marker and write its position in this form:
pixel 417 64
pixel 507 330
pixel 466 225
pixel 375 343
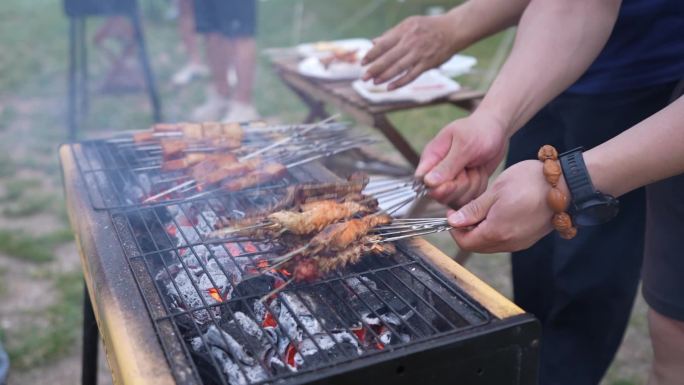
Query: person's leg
pixel 194 68
pixel 240 26
pixel 186 29
pixel 663 283
pixel 245 68
pixel 218 56
pixel 208 23
pixel 667 339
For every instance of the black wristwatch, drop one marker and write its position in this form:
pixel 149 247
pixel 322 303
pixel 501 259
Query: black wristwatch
pixel 588 206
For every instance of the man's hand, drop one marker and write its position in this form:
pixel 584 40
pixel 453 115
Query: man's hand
pixel 457 163
pixel 510 216
pixel 412 47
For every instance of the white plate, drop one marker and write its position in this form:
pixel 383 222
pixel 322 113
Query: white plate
pixel 458 65
pixel 324 48
pixel 429 86
pixel 312 67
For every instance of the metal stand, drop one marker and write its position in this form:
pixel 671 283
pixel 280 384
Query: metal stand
pixel 91 340
pixel 78 69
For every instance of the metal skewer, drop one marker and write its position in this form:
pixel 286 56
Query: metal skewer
pixel 276 290
pixel 288 139
pixel 290 165
pixel 168 191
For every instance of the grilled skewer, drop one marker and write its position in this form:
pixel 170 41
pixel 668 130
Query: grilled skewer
pixel 338 236
pixel 196 131
pixel 312 218
pixel 193 159
pixel 255 176
pixel 311 269
pixel 296 195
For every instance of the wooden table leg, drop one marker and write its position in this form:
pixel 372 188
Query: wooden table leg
pixel 316 107
pixel 398 141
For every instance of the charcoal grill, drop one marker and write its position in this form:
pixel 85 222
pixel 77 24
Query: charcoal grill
pixel 172 309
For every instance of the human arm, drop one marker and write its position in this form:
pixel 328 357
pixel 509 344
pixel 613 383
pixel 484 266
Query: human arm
pixel 557 40
pixel 420 43
pixel 512 214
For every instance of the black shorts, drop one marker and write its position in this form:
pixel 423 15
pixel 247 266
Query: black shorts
pixel 231 18
pixel 663 269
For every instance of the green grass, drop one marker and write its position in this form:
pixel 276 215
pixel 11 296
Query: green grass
pixel 34 345
pixel 24 198
pixel 15 188
pixel 30 205
pixel 3 286
pixel 7 116
pixel 623 381
pixel 32 248
pixel 7 166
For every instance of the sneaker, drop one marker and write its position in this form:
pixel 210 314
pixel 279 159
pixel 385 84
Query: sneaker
pixel 188 73
pixel 215 106
pixel 240 112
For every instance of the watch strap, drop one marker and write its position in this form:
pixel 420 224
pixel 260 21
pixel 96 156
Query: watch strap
pixel 576 176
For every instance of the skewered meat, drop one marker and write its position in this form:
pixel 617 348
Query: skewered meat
pixel 315 216
pixel 225 131
pixel 356 183
pixel 214 171
pixel 306 271
pixel 255 177
pixel 145 136
pixel 173 147
pixel 167 127
pixel 232 170
pixel 310 269
pixel 212 130
pixel 296 195
pixel 192 159
pixel 215 129
pixel 353 254
pixel 339 236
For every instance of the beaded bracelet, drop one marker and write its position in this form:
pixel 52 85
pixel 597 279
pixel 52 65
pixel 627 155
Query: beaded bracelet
pixel 561 221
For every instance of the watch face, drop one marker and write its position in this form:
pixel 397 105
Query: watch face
pixel 597 211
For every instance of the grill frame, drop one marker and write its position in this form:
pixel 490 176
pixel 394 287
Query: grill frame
pixel 498 307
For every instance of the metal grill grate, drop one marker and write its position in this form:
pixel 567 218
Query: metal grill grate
pixel 382 305
pixel 118 177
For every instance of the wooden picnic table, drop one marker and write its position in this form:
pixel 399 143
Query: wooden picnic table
pixel 316 94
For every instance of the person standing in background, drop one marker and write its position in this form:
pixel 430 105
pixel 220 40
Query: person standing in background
pixel 229 26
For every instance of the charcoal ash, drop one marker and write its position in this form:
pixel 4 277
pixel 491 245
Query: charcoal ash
pixel 218 338
pixel 334 347
pixel 236 374
pixel 369 296
pixel 228 348
pixel 187 298
pixel 148 228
